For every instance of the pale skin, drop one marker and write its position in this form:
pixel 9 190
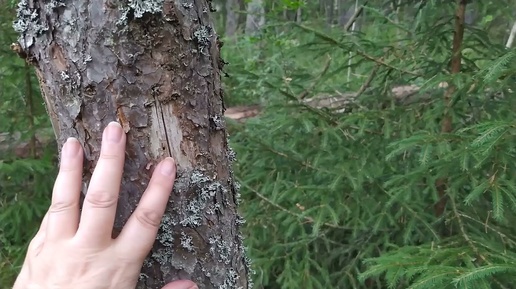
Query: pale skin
pixel 67 254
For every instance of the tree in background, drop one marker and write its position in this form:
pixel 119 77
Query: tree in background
pixel 231 18
pixel 255 17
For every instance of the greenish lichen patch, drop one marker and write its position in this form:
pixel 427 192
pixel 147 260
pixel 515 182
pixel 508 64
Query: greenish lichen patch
pixel 29 22
pixel 206 189
pixel 232 157
pixel 247 261
pixel 238 195
pixel 147 263
pixel 54 4
pixel 186 242
pixel 231 280
pixel 140 7
pixel 166 237
pixel 162 256
pixel 220 249
pixel 203 37
pixel 218 122
pixel 187 4
pixel 239 220
pixel 64 76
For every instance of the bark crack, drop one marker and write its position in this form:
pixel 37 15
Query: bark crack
pixel 161 115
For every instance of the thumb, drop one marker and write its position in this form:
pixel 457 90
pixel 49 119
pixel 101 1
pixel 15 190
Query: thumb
pixel 181 284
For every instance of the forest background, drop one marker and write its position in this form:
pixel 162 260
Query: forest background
pixel 375 142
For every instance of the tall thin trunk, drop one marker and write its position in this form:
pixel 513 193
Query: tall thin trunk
pixel 341 12
pixel 255 17
pixel 241 7
pixel 29 97
pixel 231 18
pixel 153 66
pixel 299 14
pixel 446 124
pixel 330 8
pixel 512 34
pixel 353 27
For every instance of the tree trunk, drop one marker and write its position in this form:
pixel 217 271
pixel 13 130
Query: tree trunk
pixel 342 13
pixel 231 18
pixel 154 66
pixel 330 12
pixel 255 17
pixel 512 34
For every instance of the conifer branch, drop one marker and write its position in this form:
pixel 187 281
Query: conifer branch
pixel 355 16
pixel 368 81
pixel 330 40
pixel 383 63
pixel 506 239
pixel 308 220
pixel 307 91
pixel 464 233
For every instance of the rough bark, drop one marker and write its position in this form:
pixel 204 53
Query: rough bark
pixel 154 66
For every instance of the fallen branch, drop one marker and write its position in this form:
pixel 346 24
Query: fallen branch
pixel 13 145
pixel 242 112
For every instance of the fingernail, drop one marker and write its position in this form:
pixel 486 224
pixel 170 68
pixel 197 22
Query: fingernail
pixel 71 147
pixel 114 132
pixel 168 167
pixel 181 284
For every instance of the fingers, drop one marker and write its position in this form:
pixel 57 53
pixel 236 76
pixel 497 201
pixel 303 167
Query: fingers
pixel 63 214
pixel 181 284
pixel 99 208
pixel 140 231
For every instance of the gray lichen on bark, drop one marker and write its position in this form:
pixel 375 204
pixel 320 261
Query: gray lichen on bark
pixel 140 7
pixel 28 22
pixel 154 66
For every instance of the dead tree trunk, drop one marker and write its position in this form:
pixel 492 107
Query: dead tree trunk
pixel 154 66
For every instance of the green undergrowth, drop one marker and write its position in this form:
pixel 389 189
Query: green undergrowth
pixel 349 199
pixel 27 169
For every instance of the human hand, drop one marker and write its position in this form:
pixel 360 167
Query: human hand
pixel 68 254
